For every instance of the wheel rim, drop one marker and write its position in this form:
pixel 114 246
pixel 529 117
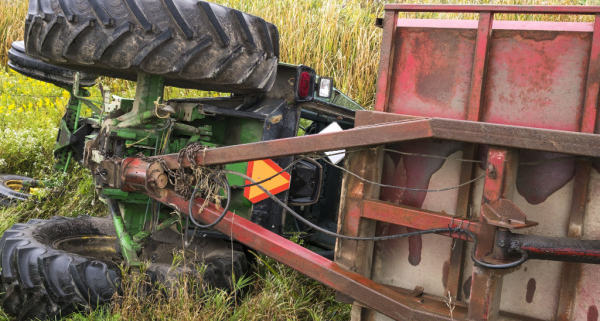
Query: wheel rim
pixel 14 184
pixel 100 247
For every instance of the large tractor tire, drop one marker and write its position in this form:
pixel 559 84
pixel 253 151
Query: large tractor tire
pixel 51 268
pixel 28 66
pixel 193 44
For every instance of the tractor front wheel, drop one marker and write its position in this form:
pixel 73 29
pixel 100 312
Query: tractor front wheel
pixel 50 268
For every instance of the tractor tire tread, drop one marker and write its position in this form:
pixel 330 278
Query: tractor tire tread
pixel 42 282
pixel 196 45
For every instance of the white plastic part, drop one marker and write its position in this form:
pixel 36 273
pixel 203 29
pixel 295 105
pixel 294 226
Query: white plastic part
pixel 325 87
pixel 334 156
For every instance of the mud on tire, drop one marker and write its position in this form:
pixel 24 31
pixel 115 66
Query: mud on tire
pixel 193 44
pixel 51 268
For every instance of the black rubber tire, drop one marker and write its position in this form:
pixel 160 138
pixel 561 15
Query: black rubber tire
pixel 193 44
pixel 50 268
pixel 221 259
pixel 8 196
pixel 40 281
pixel 28 66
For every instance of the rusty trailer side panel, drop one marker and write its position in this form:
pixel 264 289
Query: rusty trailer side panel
pixel 532 74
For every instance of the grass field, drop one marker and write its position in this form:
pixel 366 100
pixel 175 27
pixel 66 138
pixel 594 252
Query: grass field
pixel 337 38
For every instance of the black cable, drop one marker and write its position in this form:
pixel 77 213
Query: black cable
pixel 296 161
pixel 401 187
pixel 387 237
pixel 225 209
pixel 290 166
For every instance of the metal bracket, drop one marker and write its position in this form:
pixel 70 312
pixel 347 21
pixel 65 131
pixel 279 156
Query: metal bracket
pixel 504 213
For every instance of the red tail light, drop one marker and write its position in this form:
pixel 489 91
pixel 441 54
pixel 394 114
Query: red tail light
pixel 304 85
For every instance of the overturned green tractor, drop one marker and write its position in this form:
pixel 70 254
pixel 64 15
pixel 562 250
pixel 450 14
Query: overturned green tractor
pixel 53 267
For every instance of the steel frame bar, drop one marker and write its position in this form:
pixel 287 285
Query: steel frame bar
pixel 415 217
pixel 385 61
pixel 550 248
pixel 486 285
pixel 578 10
pixel 369 293
pixel 459 130
pixel 354 255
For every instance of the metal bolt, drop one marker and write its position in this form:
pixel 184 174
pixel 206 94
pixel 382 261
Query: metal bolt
pixel 159 179
pixel 491 171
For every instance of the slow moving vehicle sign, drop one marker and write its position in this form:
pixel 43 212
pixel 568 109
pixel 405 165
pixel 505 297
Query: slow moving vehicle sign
pixel 263 169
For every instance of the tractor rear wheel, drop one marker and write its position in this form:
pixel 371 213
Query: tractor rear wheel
pixel 193 44
pixel 34 68
pixel 50 268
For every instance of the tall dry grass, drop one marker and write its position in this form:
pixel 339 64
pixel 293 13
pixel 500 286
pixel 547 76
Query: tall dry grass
pixel 336 37
pixel 12 15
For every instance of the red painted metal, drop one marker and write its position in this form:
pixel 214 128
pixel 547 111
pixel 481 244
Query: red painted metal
pixel 578 10
pixel 497 25
pixel 385 61
pixel 138 175
pixel 410 129
pixel 486 285
pixel 373 295
pixel 482 44
pixel 415 218
pixel 590 108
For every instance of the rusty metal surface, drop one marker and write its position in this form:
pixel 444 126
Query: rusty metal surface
pixel 480 62
pixel 415 218
pixel 486 284
pixel 549 248
pixel 516 136
pixel 353 255
pixel 457 130
pixel 352 138
pixel 432 75
pixel 534 78
pixel 494 8
pixel 532 74
pixel 504 213
pixel 385 61
pixel 139 175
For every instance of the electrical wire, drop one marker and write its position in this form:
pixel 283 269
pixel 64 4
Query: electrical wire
pixel 225 209
pixel 449 229
pixel 361 178
pixel 401 187
pixel 431 156
pixel 296 161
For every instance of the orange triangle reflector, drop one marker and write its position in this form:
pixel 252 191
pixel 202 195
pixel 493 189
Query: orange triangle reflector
pixel 263 169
